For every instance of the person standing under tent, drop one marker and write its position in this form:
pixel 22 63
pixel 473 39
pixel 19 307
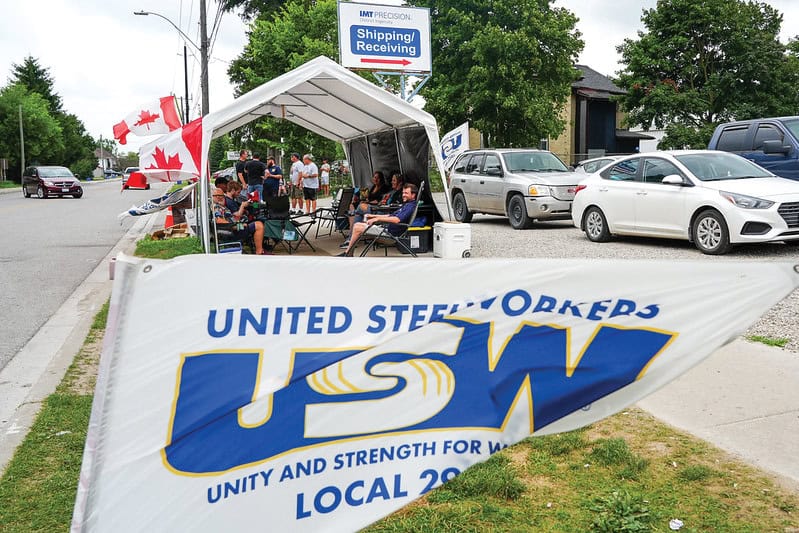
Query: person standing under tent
pixel 273 178
pixel 240 172
pixel 310 183
pixel 255 170
pixel 324 177
pixel 296 188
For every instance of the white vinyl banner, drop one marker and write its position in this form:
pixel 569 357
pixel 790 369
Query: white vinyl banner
pixel 289 405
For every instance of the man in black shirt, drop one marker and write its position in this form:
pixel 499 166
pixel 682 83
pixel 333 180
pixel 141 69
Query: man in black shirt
pixel 240 173
pixel 273 180
pixel 255 175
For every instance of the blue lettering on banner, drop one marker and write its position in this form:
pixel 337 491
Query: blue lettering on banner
pixel 319 320
pixel 448 146
pixel 206 435
pixel 387 42
pixel 355 494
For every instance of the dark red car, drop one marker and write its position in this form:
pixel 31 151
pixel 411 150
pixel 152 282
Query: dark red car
pixel 50 181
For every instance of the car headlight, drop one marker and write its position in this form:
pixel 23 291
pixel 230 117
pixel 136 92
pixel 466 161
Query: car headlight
pixel 538 190
pixel 49 183
pixel 746 202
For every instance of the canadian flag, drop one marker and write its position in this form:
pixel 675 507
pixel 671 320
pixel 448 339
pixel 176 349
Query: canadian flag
pixel 153 118
pixel 175 156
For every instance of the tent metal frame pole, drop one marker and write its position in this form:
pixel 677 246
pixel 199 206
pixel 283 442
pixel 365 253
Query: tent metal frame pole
pixel 370 115
pixel 423 79
pixel 397 144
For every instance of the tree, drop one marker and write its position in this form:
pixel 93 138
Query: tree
pixel 36 79
pixel 78 145
pixel 43 133
pixel 506 66
pixel 251 9
pixel 701 63
pixel 299 32
pixel 217 152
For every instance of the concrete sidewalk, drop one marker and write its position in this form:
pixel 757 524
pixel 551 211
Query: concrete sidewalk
pixel 743 399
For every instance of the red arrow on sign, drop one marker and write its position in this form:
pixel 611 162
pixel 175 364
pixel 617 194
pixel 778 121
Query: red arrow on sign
pixel 402 62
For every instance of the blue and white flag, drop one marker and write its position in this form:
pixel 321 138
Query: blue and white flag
pixel 159 204
pixel 287 407
pixel 454 143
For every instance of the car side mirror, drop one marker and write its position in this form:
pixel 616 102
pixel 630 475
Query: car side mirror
pixel 494 171
pixel 775 147
pixel 673 179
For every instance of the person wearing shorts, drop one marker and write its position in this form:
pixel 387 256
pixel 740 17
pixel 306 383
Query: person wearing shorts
pixel 324 177
pixel 295 188
pixel 309 179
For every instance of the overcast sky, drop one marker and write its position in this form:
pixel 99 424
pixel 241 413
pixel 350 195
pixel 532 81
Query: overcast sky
pixel 106 61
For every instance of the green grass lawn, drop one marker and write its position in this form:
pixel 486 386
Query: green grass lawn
pixel 628 473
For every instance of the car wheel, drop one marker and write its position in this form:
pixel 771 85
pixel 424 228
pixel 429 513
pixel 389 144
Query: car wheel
pixel 596 225
pixel 77 194
pixel 460 209
pixel 710 233
pixel 40 192
pixel 517 213
pixel 25 192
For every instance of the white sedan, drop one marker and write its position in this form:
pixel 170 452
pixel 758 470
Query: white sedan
pixel 713 199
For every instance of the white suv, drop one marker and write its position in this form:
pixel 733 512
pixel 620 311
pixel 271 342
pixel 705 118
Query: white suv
pixel 522 184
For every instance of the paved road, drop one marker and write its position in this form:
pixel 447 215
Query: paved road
pixel 47 249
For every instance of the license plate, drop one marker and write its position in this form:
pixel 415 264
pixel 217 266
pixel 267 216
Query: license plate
pixel 65 189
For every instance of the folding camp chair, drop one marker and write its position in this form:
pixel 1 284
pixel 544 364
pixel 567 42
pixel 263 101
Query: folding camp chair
pixel 385 239
pixel 281 226
pixel 337 212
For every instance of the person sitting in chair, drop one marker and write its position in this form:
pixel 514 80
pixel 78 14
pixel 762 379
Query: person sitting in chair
pixel 391 196
pixel 400 216
pixel 223 215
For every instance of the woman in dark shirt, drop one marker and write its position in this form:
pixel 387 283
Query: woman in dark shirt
pixel 378 189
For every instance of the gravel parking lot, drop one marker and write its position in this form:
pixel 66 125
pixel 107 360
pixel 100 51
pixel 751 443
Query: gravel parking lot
pixel 493 237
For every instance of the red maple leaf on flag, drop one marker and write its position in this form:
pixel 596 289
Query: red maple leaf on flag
pixel 146 118
pixel 162 162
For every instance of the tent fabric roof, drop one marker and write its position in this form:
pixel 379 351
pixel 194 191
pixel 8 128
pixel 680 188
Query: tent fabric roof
pixel 327 99
pixel 323 97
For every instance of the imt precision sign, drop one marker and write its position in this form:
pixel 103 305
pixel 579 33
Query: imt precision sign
pixel 384 37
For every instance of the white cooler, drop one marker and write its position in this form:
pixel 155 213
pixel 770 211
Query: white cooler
pixel 452 240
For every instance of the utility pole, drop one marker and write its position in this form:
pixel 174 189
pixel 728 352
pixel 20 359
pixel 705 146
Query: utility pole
pixel 204 56
pixel 185 84
pixel 21 144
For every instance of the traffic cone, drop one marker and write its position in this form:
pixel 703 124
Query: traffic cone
pixel 169 222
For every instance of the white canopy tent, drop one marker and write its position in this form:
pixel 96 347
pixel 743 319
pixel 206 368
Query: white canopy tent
pixel 327 99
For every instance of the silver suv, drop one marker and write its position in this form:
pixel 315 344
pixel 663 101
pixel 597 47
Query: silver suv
pixel 522 184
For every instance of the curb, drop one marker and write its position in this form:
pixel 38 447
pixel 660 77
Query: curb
pixel 37 369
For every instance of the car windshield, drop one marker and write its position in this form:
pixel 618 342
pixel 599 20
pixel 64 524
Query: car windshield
pixel 793 126
pixel 130 170
pixel 715 166
pixel 533 162
pixel 55 172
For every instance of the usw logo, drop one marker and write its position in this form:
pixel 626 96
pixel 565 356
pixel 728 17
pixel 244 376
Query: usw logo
pixel 448 371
